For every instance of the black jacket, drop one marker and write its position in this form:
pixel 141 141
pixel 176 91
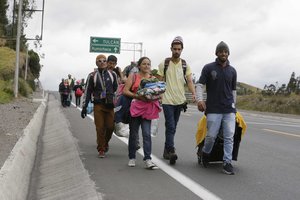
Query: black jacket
pixel 94 89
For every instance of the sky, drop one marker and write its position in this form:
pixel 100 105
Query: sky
pixel 263 35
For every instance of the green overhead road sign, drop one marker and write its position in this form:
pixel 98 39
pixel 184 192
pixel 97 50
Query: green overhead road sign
pixel 105 45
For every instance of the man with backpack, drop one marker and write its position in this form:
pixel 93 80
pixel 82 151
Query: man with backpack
pixel 100 88
pixel 176 73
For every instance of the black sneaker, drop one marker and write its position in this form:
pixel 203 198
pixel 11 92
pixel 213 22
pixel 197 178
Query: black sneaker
pixel 205 159
pixel 166 154
pixel 173 157
pixel 228 169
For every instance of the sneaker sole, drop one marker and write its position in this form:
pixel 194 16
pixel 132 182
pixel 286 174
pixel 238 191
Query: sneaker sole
pixel 228 173
pixel 152 168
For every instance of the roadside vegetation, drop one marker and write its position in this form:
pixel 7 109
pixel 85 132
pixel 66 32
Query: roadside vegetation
pixel 8 55
pixel 273 98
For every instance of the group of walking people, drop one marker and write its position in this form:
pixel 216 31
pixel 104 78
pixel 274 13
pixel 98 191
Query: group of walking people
pixel 69 86
pixel 218 80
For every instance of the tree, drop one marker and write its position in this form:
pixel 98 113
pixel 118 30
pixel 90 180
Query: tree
pixel 269 90
pixel 291 87
pixel 3 17
pixel 297 91
pixel 34 63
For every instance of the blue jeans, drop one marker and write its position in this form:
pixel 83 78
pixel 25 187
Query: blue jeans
pixel 172 114
pixel 214 122
pixel 133 133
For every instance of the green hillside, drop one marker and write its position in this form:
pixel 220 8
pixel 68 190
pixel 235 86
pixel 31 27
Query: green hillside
pixel 243 89
pixel 7 72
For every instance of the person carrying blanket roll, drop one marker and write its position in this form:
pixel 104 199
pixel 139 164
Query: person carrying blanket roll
pixel 142 111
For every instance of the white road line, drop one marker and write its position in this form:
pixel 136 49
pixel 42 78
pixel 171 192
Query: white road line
pixel 282 133
pixel 272 124
pixel 191 185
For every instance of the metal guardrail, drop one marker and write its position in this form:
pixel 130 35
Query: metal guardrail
pixel 188 96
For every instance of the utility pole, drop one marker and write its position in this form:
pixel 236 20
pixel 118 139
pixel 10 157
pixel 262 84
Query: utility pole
pixel 16 90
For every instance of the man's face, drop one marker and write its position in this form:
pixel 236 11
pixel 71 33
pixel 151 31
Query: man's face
pixel 111 65
pixel 101 63
pixel 223 55
pixel 176 50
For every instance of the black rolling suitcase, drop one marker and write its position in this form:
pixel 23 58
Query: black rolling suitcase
pixel 217 151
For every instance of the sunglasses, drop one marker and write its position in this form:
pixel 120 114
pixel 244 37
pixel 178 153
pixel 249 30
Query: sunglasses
pixel 101 61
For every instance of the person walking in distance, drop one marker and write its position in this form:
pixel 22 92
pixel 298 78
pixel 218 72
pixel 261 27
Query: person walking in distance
pixel 78 90
pixel 71 85
pixel 101 85
pixel 176 73
pixel 219 78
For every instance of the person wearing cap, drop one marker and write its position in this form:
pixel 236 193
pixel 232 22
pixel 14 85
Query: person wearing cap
pixel 100 88
pixel 71 84
pixel 177 75
pixel 219 78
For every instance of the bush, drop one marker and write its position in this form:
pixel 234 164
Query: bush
pixel 24 88
pixel 6 92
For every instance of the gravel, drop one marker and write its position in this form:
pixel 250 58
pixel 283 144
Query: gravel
pixel 14 118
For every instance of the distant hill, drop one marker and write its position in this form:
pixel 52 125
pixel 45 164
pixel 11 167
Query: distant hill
pixel 243 89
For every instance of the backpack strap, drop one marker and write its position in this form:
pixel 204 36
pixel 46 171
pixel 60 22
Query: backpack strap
pixel 111 74
pixel 184 67
pixel 166 65
pixel 183 62
pixel 96 74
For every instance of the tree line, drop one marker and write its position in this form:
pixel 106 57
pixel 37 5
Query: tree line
pixel 292 87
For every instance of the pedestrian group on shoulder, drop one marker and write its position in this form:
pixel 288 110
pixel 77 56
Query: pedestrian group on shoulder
pixel 143 95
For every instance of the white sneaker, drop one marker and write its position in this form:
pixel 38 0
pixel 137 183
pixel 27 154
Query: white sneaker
pixel 150 165
pixel 131 163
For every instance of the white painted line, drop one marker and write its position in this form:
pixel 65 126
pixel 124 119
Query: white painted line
pixel 272 124
pixel 282 133
pixel 191 185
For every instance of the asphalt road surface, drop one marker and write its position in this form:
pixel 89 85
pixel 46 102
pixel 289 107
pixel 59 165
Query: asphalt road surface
pixel 267 168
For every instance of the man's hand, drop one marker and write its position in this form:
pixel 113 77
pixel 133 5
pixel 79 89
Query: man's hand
pixel 83 112
pixel 201 106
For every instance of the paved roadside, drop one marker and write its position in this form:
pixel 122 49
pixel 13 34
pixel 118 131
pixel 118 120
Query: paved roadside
pixel 59 172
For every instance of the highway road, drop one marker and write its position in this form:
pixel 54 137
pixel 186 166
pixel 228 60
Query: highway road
pixel 267 168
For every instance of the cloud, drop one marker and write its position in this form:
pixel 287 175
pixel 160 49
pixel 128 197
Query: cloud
pixel 262 35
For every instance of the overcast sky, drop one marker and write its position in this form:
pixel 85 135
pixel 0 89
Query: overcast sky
pixel 263 35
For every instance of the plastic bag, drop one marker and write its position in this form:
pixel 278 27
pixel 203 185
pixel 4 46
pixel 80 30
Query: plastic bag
pixel 90 108
pixel 154 127
pixel 121 129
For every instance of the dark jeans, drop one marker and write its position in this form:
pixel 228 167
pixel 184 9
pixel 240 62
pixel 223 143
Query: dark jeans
pixel 134 125
pixel 77 100
pixel 172 114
